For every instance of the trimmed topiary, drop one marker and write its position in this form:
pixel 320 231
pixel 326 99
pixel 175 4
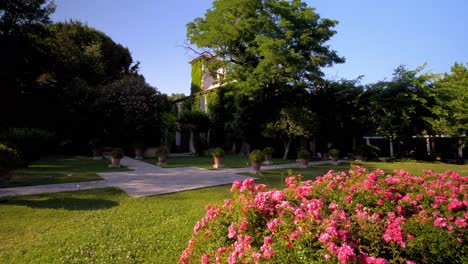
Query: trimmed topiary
pixel 303 154
pixel 257 156
pixel 334 153
pixel 218 153
pixel 268 151
pixel 117 153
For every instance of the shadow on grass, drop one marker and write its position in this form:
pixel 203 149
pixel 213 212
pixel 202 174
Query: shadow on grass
pixel 66 203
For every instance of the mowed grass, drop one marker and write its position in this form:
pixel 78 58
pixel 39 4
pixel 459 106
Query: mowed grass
pixel 52 170
pixel 206 162
pixel 100 226
pixel 108 226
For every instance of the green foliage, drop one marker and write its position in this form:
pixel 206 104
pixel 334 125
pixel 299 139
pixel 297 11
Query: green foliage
pixel 256 155
pixel 130 108
pixel 452 102
pixel 401 108
pixel 268 44
pixel 334 153
pixel 16 13
pixel 370 152
pixel 195 120
pixel 8 159
pixel 218 153
pixel 117 153
pixel 31 143
pixel 303 154
pixel 268 151
pixel 197 76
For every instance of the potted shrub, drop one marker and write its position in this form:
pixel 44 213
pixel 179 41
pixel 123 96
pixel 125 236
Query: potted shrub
pixel 256 158
pixel 304 157
pixel 334 154
pixel 139 146
pixel 218 155
pixel 96 148
pixel 162 153
pixel 117 155
pixel 268 151
pixel 367 152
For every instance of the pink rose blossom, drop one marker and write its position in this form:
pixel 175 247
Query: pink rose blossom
pixel 205 259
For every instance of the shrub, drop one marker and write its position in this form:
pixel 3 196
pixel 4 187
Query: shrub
pixel 368 151
pixel 268 151
pixel 257 156
pixel 31 143
pixel 117 153
pixel 303 154
pixel 8 159
pixel 334 153
pixel 360 217
pixel 218 153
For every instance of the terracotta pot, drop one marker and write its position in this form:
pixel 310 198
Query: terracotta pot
pixel 139 152
pixel 218 162
pixel 162 160
pixel 268 159
pixel 97 153
pixel 255 166
pixel 116 161
pixel 305 163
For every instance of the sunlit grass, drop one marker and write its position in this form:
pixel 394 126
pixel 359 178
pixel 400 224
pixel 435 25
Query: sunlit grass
pixel 52 170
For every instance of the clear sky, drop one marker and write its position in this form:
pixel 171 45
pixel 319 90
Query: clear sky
pixel 375 36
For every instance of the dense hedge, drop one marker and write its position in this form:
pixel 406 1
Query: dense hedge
pixel 30 143
pixel 8 159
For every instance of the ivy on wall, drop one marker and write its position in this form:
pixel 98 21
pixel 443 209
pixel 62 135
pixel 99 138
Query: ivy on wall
pixel 197 76
pixel 197 82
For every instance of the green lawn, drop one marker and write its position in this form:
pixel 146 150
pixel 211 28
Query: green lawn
pixel 59 170
pixel 206 162
pixel 107 226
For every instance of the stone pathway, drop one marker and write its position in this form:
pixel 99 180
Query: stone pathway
pixel 147 179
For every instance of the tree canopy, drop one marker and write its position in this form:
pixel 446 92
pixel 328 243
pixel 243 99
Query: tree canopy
pixel 269 45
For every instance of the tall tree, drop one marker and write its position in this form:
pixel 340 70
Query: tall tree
pixel 16 13
pixel 293 122
pixel 452 106
pixel 266 44
pixel 402 107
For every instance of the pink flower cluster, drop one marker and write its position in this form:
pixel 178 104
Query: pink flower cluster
pixel 360 216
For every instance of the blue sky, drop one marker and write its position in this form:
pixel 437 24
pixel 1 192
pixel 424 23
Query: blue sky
pixel 375 36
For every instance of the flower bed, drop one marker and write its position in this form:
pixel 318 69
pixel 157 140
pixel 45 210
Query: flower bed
pixel 354 217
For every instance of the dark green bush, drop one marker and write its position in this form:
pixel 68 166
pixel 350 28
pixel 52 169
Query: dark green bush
pixel 218 153
pixel 334 153
pixel 368 151
pixel 303 154
pixel 8 159
pixel 257 155
pixel 30 143
pixel 117 153
pixel 268 150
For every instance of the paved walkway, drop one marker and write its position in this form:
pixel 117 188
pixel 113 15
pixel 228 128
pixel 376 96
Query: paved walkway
pixel 147 179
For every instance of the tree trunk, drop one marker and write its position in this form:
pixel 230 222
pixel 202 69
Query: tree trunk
pixel 192 148
pixel 286 148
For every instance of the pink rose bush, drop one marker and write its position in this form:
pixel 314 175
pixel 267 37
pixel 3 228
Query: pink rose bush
pixel 354 217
